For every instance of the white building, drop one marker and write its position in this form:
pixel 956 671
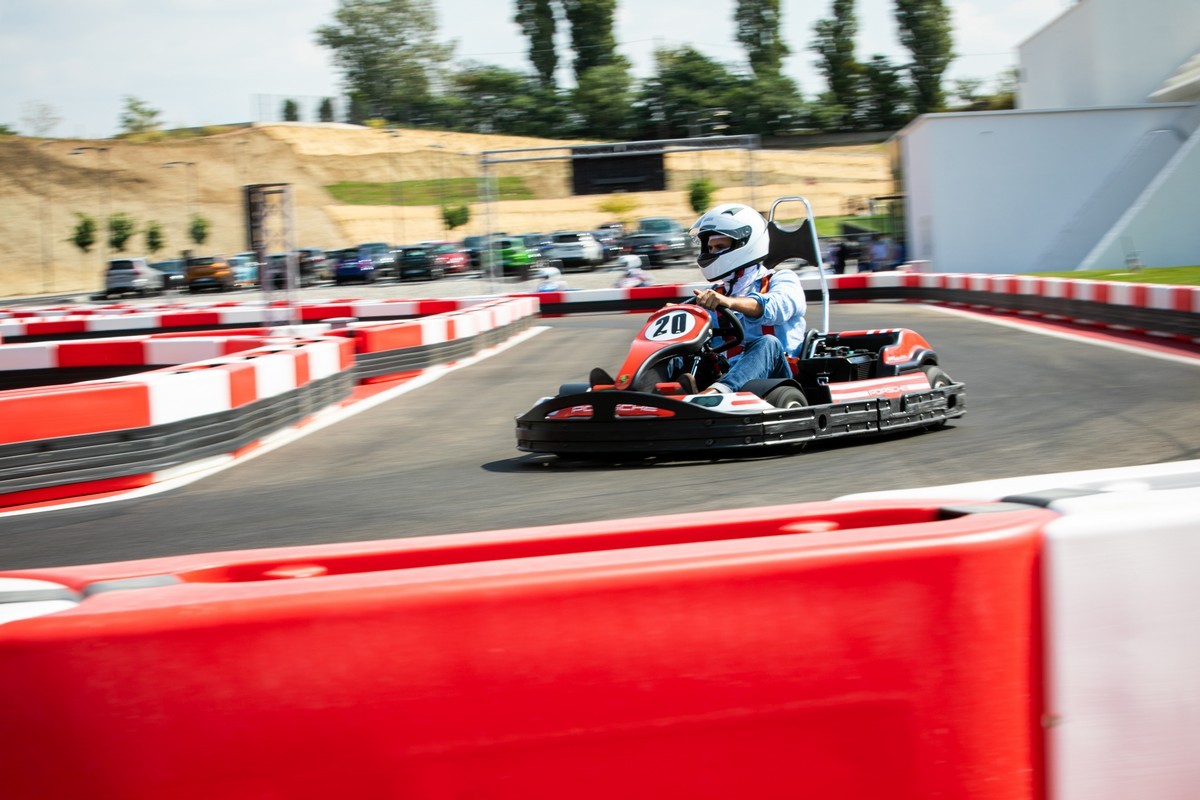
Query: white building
pixel 1099 165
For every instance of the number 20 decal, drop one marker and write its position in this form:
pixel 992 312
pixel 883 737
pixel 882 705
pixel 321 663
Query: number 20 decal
pixel 674 325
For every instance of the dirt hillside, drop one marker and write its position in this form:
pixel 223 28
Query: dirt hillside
pixel 43 184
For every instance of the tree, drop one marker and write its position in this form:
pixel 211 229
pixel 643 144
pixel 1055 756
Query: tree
pixel 155 239
pixel 386 52
pixel 925 30
pixel 758 23
pixel 491 99
pixel 40 118
pixel 768 106
pixel 456 216
pixel 121 229
pixel 291 111
pixel 538 23
pixel 325 110
pixel 700 192
pixel 835 47
pixel 686 82
pixel 830 115
pixel 138 117
pixel 7 130
pixel 84 234
pixel 592 36
pixel 884 96
pixel 1006 90
pixel 198 229
pixel 602 99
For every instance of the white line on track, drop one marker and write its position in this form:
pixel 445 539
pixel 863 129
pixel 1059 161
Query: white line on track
pixel 1099 339
pixel 190 473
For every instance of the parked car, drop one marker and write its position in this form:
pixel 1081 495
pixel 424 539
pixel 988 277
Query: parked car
pixel 382 256
pixel 452 257
pixel 313 265
pixel 208 272
pixel 173 273
pixel 352 265
pixel 575 250
pixel 474 247
pixel 658 240
pixel 514 257
pixel 609 240
pixel 132 276
pixel 424 261
pixel 245 270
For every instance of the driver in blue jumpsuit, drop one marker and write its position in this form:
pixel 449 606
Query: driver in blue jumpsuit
pixel 771 305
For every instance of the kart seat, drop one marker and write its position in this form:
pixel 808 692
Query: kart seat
pixel 785 244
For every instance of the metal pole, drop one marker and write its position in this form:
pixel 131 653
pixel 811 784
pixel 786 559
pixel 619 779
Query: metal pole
pixel 47 225
pixel 489 261
pixel 103 228
pixel 188 179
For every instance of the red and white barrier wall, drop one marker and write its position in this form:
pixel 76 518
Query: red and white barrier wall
pixel 201 374
pixel 1030 640
pixel 845 650
pixel 1121 615
pixel 1022 639
pixel 1161 310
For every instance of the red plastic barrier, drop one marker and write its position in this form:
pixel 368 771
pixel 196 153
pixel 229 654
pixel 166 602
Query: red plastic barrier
pixel 832 650
pixel 49 412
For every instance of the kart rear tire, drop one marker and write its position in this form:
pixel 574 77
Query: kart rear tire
pixel 786 397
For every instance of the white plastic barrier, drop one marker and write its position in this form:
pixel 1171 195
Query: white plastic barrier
pixel 1121 583
pixel 1122 609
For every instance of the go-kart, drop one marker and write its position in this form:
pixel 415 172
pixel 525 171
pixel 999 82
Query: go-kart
pixel 845 383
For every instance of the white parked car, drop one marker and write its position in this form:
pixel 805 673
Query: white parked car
pixel 574 249
pixel 132 276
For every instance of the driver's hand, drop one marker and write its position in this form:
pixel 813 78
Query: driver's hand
pixel 707 298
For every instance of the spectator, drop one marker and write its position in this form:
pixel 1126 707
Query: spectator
pixel 881 255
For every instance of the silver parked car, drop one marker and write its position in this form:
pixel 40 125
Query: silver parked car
pixel 132 276
pixel 574 250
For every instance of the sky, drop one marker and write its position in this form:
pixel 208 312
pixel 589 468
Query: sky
pixel 209 62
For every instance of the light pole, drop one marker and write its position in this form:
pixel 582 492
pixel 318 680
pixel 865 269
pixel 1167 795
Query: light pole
pixel 241 159
pixel 187 193
pixel 107 197
pixel 47 226
pixel 392 192
pixel 441 148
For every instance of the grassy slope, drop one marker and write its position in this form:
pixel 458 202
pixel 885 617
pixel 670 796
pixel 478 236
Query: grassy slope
pixel 1180 276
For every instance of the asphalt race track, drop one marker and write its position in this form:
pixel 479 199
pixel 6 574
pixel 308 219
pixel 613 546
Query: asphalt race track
pixel 442 458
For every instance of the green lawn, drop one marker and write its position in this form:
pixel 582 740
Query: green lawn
pixel 1179 276
pixel 451 191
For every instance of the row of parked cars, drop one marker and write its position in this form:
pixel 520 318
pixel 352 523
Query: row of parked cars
pixel 658 240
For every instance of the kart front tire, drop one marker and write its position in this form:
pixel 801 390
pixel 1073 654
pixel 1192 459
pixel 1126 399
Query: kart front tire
pixel 937 379
pixel 937 376
pixel 786 397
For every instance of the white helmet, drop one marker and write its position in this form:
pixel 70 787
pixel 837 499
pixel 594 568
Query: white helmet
pixel 741 223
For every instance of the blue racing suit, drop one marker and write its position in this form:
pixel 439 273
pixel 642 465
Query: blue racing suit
pixel 770 338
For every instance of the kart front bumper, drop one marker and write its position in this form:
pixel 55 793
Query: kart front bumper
pixel 610 422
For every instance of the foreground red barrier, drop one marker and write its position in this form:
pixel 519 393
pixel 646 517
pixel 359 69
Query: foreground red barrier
pixel 833 650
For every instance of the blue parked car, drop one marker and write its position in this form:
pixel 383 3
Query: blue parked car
pixel 352 265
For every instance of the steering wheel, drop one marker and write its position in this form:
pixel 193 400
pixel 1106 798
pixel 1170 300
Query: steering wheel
pixel 729 328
